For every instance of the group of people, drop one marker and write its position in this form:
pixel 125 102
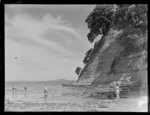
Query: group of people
pixel 14 89
pixel 115 85
pixel 25 89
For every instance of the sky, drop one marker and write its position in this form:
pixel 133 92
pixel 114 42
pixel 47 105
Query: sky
pixel 45 42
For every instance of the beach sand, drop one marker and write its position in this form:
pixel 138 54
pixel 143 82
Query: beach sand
pixel 69 99
pixel 123 105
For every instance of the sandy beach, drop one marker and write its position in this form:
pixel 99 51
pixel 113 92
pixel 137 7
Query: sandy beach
pixel 123 105
pixel 70 99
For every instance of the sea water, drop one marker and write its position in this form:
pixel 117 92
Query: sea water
pixel 35 91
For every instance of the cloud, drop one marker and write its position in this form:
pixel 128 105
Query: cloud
pixel 59 24
pixel 45 46
pixel 56 7
pixel 34 63
pixel 23 26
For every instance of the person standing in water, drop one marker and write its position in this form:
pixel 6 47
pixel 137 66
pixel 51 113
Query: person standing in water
pixel 45 94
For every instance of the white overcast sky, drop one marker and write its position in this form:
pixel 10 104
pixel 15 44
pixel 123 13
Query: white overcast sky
pixel 49 41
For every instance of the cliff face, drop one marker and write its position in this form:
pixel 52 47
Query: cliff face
pixel 99 71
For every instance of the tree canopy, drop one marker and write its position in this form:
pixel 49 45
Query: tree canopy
pixel 120 16
pixel 99 20
pixel 78 70
pixel 131 18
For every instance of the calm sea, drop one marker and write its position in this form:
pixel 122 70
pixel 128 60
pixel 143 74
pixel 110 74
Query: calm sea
pixel 35 91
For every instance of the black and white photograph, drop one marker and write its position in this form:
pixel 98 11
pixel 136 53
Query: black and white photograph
pixel 76 57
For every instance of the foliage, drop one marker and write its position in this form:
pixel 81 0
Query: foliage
pixel 132 18
pixel 88 55
pixel 99 20
pixel 78 70
pixel 95 44
pixel 121 16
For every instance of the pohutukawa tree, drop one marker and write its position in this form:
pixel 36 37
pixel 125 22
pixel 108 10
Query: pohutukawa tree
pixel 120 16
pixel 131 18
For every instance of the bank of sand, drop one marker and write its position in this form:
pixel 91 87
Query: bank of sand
pixel 77 103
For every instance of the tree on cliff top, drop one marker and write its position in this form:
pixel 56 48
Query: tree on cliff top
pixel 120 16
pixel 100 20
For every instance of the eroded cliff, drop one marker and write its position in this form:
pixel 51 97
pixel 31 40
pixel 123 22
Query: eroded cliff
pixel 111 61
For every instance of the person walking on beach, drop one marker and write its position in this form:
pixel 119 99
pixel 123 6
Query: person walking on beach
pixel 45 94
pixel 117 91
pixel 13 92
pixel 25 89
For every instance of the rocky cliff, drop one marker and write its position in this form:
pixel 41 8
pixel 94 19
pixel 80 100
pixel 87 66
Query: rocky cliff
pixel 111 61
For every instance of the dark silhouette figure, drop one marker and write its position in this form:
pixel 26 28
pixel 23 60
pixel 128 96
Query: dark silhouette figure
pixel 25 88
pixel 45 94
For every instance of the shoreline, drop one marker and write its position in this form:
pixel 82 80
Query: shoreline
pixel 123 105
pixel 84 99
